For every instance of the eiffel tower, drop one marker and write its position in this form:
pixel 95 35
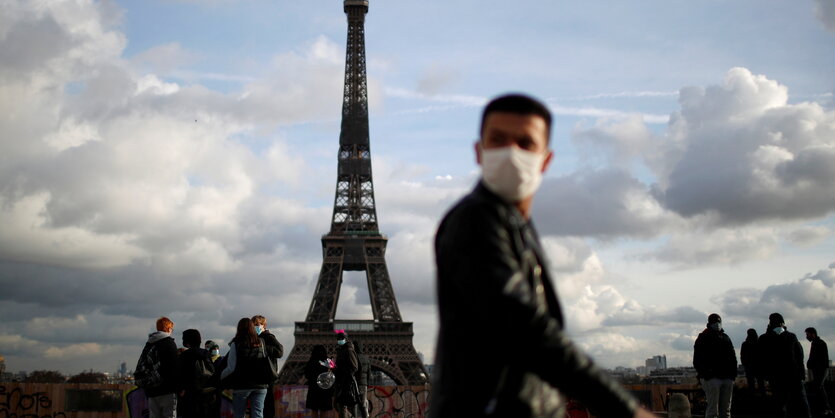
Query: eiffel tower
pixel 354 243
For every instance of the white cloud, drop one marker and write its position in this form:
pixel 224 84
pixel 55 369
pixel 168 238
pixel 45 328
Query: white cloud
pixel 602 203
pixel 621 140
pixel 163 59
pixel 746 155
pixel 720 246
pixel 73 351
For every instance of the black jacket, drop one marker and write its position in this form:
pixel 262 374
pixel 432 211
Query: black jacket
pixel 492 282
pixel 169 364
pixel 781 357
pixel 274 348
pixel 818 356
pixel 714 355
pixel 249 370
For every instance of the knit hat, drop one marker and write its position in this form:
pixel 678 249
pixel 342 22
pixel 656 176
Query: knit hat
pixel 714 318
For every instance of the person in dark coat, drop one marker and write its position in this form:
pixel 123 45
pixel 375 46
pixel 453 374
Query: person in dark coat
pixel 715 361
pixel 750 359
pixel 491 266
pixel 347 365
pixel 318 400
pixel 363 375
pixel 196 370
pixel 818 365
pixel 162 399
pixel 247 370
pixel 274 350
pixel 782 360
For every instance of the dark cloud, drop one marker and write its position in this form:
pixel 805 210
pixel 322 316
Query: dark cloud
pixel 825 12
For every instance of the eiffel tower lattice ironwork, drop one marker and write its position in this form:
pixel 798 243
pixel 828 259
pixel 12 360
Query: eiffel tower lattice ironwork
pixel 354 243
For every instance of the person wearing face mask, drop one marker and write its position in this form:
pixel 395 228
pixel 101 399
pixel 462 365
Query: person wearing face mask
pixel 714 358
pixel 274 350
pixel 491 266
pixel 782 360
pixel 345 389
pixel 214 350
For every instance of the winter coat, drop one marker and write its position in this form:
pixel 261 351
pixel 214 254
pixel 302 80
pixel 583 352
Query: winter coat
pixel 781 357
pixel 491 268
pixel 169 364
pixel 195 402
pixel 714 356
pixel 274 348
pixel 318 399
pixel 363 374
pixel 244 365
pixel 818 356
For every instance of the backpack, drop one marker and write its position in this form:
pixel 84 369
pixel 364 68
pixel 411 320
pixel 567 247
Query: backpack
pixel 203 372
pixel 147 372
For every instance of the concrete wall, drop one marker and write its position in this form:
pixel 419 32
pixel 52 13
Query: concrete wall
pixel 42 400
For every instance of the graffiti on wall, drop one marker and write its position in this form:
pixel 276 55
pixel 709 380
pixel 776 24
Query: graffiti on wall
pixel 138 404
pixel 383 401
pixel 19 403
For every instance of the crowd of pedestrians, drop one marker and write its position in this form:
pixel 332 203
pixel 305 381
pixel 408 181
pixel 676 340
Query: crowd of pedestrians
pixel 775 357
pixel 188 382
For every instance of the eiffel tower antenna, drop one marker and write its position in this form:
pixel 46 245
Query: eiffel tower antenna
pixel 354 243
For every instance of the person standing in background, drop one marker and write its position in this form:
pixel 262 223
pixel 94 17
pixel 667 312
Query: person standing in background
pixel 750 361
pixel 715 361
pixel 782 360
pixel 818 365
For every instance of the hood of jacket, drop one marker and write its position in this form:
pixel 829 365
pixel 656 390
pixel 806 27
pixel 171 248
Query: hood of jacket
pixel 157 336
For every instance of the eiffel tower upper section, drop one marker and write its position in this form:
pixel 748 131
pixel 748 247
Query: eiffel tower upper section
pixel 354 211
pixel 354 241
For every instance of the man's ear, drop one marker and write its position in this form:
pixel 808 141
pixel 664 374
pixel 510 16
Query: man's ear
pixel 478 151
pixel 547 160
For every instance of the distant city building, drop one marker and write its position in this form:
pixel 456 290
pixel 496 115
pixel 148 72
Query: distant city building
pixel 676 375
pixel 656 363
pixel 123 370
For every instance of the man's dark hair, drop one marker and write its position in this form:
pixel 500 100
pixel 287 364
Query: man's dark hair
pixel 519 104
pixel 812 331
pixel 714 318
pixel 191 338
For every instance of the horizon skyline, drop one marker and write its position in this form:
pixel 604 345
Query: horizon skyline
pixel 178 158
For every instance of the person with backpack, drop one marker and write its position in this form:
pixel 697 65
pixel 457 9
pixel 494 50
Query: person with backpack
pixel 196 370
pixel 157 371
pixel 248 371
pixel 274 351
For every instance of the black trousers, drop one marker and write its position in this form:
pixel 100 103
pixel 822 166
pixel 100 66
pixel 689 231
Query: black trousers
pixel 818 391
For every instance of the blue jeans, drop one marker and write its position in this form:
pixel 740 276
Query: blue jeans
pixel 256 399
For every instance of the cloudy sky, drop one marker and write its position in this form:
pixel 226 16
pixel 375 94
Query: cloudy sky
pixel 173 157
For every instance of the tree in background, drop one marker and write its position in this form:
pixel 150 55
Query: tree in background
pixel 45 376
pixel 88 377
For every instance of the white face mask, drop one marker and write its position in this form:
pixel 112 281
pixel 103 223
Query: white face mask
pixel 778 330
pixel 512 173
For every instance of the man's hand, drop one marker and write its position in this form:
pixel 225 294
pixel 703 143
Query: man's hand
pixel 643 413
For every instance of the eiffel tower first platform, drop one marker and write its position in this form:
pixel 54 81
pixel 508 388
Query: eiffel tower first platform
pixel 354 243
